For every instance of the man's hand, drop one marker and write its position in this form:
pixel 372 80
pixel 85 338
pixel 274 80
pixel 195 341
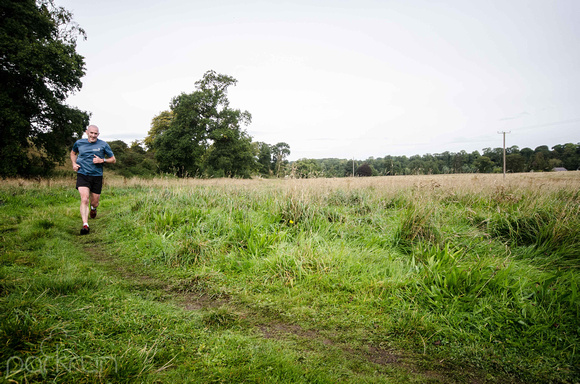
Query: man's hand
pixel 98 160
pixel 76 167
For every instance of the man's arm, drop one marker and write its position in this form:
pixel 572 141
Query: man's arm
pixel 73 159
pixel 108 152
pixel 102 160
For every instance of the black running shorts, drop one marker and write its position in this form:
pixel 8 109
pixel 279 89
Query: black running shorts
pixel 94 183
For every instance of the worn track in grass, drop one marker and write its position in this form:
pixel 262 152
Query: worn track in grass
pixel 193 296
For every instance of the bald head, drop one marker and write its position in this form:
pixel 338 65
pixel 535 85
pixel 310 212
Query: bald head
pixel 92 133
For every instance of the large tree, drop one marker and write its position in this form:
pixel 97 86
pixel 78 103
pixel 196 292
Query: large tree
pixel 199 121
pixel 231 154
pixel 39 69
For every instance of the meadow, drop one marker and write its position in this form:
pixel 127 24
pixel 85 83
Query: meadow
pixel 403 279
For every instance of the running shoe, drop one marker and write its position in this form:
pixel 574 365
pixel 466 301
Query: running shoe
pixel 85 230
pixel 93 213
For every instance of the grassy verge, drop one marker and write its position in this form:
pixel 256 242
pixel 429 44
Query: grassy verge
pixel 391 280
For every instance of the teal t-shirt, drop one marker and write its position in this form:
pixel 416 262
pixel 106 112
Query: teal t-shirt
pixel 87 151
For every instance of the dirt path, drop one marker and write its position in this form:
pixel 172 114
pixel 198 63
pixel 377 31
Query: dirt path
pixel 194 296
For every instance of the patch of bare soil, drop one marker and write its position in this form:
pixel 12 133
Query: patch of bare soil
pixel 109 262
pixel 190 294
pixel 279 331
pixel 194 302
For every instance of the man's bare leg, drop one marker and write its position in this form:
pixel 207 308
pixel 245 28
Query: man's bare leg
pixel 85 197
pixel 94 204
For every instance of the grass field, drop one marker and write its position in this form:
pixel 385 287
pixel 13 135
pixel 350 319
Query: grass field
pixel 427 279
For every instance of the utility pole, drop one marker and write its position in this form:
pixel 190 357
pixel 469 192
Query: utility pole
pixel 503 133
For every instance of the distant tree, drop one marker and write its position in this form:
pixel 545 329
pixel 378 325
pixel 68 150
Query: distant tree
pixel 484 164
pixel 137 147
pixel 264 160
pixel 515 162
pixel 541 161
pixel 512 150
pixel 364 170
pixel 132 160
pixel 280 152
pixel 528 154
pixel 569 154
pixel 306 168
pixel 469 166
pixel 459 160
pixel 333 167
pixel 39 69
pixel 430 165
pixel 495 155
pixel 375 164
pixel 444 161
pixel 119 147
pixel 572 156
pixel 474 156
pixel 402 165
pixel 389 165
pixel 554 163
pixel 416 165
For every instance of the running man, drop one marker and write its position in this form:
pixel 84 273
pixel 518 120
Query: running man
pixel 88 156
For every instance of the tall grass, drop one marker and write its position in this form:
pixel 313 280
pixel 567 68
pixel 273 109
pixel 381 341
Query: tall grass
pixel 471 276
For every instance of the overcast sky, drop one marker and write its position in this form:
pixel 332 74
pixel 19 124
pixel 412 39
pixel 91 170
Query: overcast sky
pixel 343 78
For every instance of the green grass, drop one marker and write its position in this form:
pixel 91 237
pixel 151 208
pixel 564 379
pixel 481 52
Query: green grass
pixel 381 280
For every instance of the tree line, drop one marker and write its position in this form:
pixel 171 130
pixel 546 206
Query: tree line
pixel 200 135
pixel 270 161
pixel 136 160
pixel 540 159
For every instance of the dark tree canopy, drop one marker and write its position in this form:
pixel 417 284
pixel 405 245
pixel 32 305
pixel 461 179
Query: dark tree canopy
pixel 364 170
pixel 39 69
pixel 231 154
pixel 264 154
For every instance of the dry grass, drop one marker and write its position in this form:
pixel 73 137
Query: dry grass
pixel 464 183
